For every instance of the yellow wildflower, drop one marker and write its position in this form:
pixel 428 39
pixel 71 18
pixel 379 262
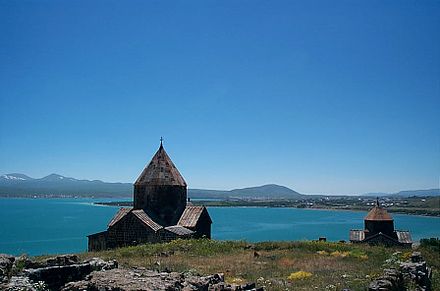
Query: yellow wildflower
pixel 299 275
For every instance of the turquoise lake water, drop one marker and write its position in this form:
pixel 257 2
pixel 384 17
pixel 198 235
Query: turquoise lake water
pixel 50 226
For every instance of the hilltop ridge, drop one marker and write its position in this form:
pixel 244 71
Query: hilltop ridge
pixel 15 184
pixel 55 185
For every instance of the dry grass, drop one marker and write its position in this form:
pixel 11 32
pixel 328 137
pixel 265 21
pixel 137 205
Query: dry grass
pixel 333 266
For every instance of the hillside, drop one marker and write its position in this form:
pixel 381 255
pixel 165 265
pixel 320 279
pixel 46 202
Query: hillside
pixel 407 193
pixel 54 185
pixel 270 191
pixel 418 193
pixel 272 265
pixel 57 185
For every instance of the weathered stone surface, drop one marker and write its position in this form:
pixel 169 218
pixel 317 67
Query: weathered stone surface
pixel 417 271
pixel 64 260
pixel 416 257
pixel 414 271
pixel 6 263
pixel 67 273
pixel 20 283
pixel 143 279
pixel 56 276
pixel 391 280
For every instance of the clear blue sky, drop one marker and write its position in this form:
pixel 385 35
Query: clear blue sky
pixel 321 96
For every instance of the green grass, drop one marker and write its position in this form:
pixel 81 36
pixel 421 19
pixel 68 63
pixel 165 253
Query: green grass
pixel 334 266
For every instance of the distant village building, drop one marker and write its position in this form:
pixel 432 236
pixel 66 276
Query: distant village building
pixel 161 211
pixel 379 229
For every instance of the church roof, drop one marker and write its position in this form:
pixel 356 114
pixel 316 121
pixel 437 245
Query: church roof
pixel 140 214
pixel 179 230
pixel 381 237
pixel 378 213
pixel 357 235
pixel 404 236
pixel 160 171
pixel 146 219
pixel 119 215
pixel 191 215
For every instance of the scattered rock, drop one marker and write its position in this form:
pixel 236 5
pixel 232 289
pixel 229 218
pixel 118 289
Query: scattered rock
pixel 68 273
pixel 417 272
pixel 21 283
pixel 6 263
pixel 64 260
pixel 55 276
pixel 142 279
pixel 413 272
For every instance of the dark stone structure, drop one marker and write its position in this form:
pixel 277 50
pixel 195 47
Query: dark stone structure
pixel 160 210
pixel 379 229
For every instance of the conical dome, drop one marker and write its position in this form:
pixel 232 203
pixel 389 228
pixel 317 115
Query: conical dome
pixel 160 171
pixel 378 213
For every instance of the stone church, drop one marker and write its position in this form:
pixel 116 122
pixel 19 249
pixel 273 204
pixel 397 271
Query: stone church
pixel 161 211
pixel 379 229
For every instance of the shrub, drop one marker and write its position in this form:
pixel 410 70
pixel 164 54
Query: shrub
pixel 431 243
pixel 300 275
pixel 340 254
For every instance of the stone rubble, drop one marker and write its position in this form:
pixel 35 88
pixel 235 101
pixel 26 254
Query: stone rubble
pixel 414 271
pixel 6 263
pixel 143 279
pixel 68 273
pixel 50 274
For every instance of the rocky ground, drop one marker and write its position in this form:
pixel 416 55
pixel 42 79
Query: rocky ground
pixel 411 275
pixel 68 273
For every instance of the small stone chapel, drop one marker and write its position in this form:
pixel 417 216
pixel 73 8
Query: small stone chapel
pixel 161 211
pixel 379 229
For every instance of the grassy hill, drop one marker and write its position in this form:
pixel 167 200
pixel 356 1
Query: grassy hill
pixel 332 266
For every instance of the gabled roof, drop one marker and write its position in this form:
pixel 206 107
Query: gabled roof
pixel 179 230
pixel 378 213
pixel 140 214
pixel 357 235
pixel 145 219
pixel 382 235
pixel 191 215
pixel 161 171
pixel 98 234
pixel 119 215
pixel 404 236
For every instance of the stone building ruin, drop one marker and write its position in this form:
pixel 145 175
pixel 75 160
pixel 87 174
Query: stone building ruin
pixel 161 211
pixel 379 229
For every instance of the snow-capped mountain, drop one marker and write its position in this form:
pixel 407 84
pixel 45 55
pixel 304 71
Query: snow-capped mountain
pixel 57 185
pixel 56 177
pixel 15 177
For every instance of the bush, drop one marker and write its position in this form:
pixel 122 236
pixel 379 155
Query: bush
pixel 300 275
pixel 431 243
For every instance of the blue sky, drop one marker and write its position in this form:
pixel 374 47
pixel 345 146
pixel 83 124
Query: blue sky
pixel 335 97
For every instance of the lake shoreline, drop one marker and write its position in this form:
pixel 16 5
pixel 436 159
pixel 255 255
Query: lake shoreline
pixel 428 213
pixel 63 224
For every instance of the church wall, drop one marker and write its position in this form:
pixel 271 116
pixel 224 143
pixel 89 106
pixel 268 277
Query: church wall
pixel 382 240
pixel 374 227
pixel 203 227
pixel 164 203
pixel 130 231
pixel 97 242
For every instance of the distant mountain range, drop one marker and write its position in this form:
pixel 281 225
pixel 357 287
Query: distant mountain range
pixel 270 191
pixel 408 193
pixel 55 185
pixel 16 184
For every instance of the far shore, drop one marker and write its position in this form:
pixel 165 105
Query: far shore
pixel 277 204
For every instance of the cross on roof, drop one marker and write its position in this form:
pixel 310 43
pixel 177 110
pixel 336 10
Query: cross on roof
pixel 161 140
